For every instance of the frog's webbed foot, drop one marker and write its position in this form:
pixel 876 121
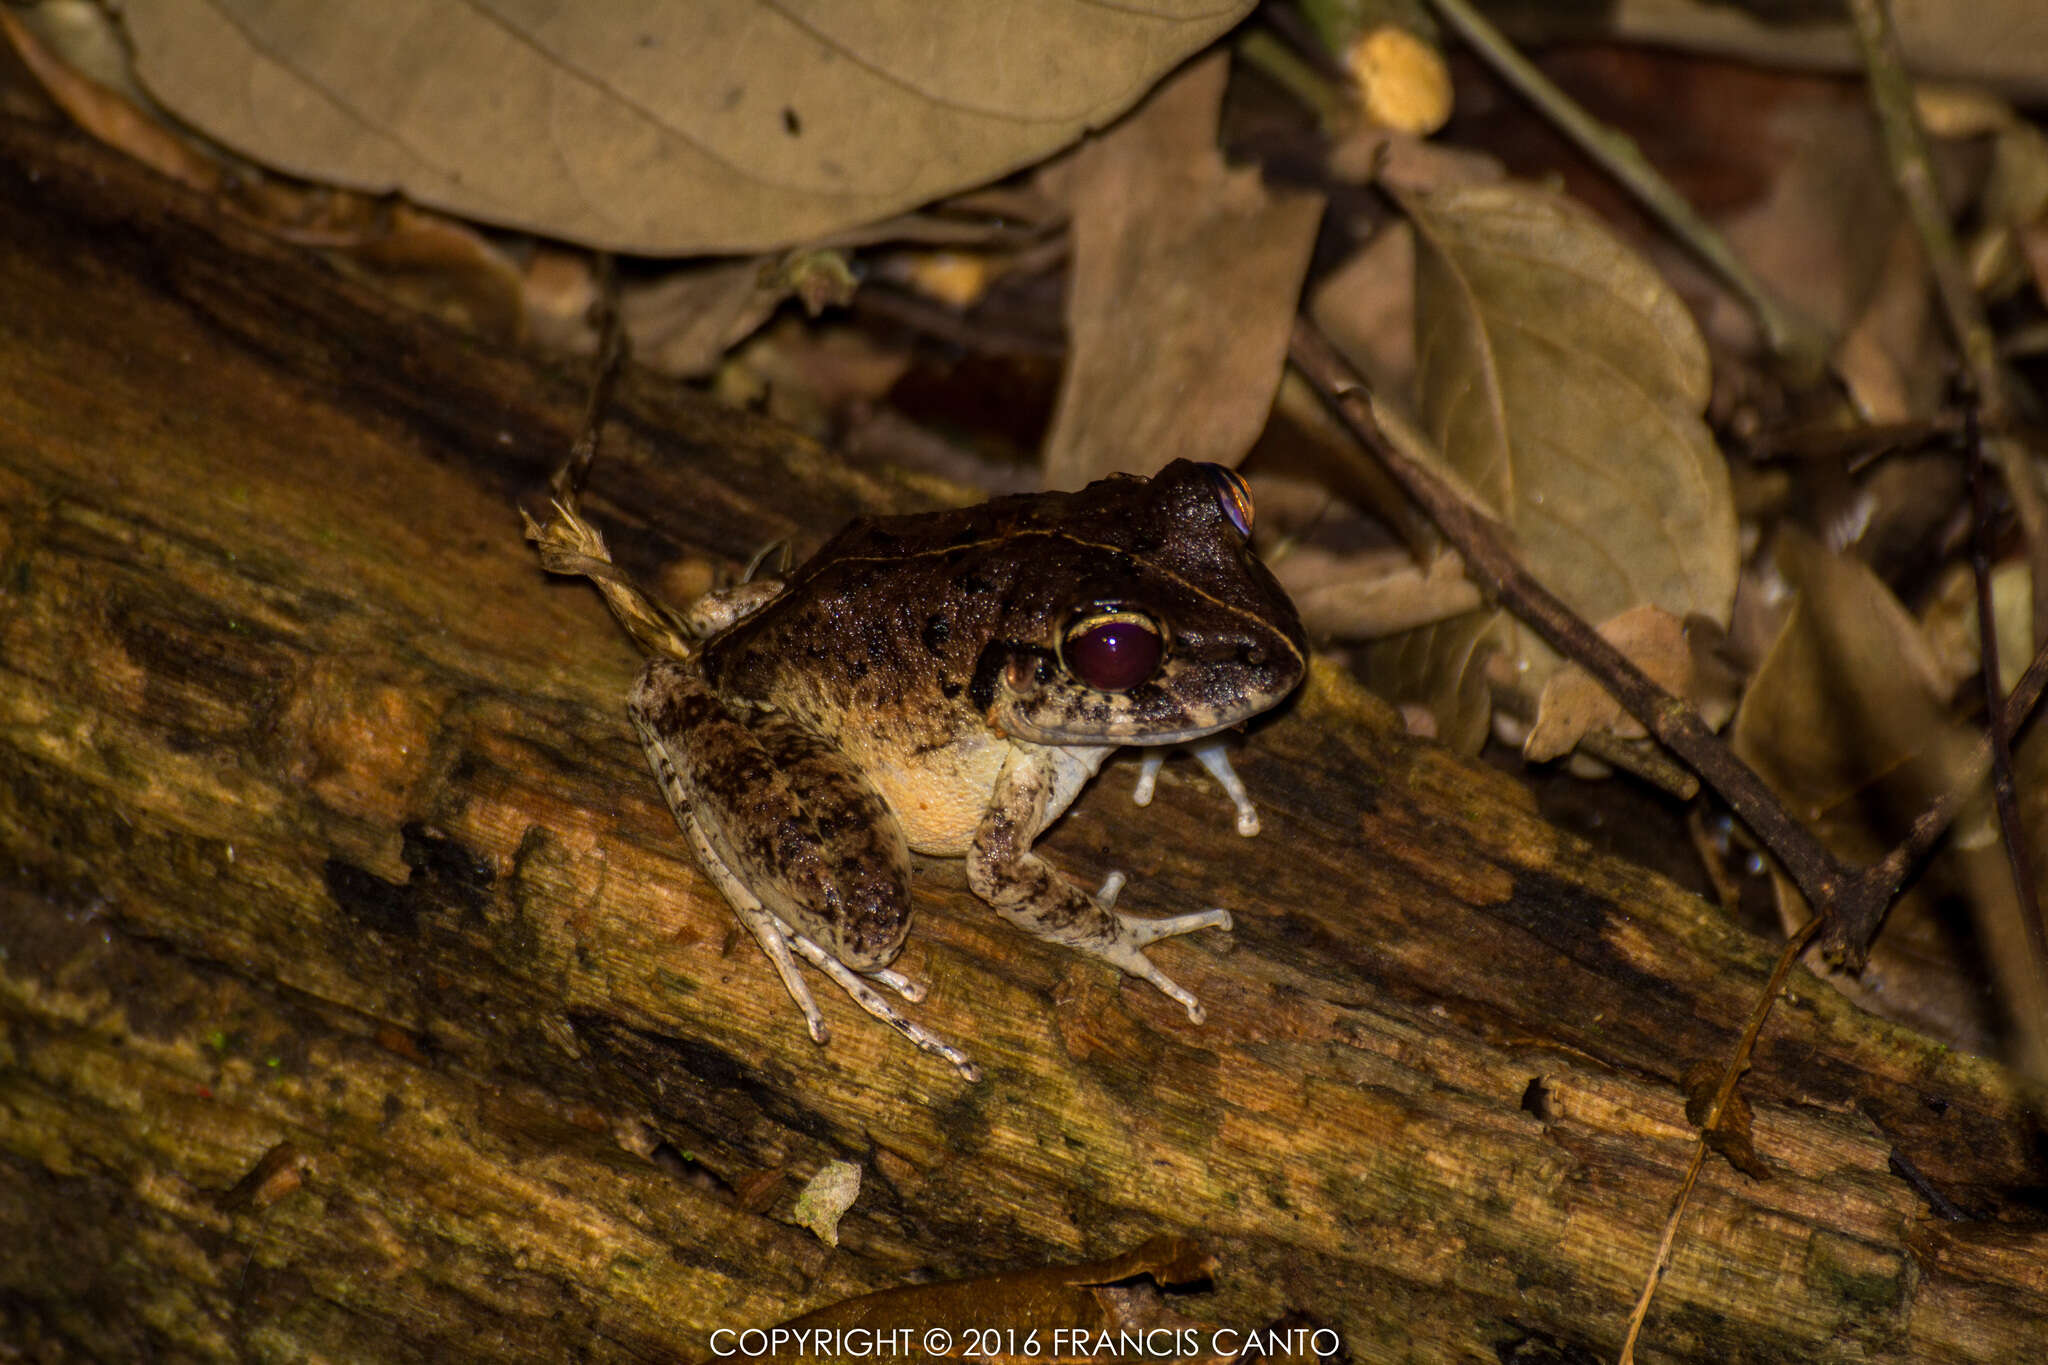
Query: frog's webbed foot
pixel 1038 900
pixel 1214 754
pixel 874 1002
pixel 776 938
pixel 1125 950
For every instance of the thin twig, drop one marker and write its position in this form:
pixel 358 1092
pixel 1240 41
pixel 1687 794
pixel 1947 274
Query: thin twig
pixel 612 346
pixel 1286 68
pixel 1905 146
pixel 1801 345
pixel 1891 92
pixel 1730 1075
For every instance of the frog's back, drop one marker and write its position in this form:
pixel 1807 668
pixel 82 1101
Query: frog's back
pixel 1105 506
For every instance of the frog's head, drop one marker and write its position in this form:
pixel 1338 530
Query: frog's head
pixel 1175 631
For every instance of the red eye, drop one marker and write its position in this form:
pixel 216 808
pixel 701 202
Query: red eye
pixel 1233 495
pixel 1112 650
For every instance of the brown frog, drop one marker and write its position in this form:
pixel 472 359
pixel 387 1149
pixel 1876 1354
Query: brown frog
pixel 946 683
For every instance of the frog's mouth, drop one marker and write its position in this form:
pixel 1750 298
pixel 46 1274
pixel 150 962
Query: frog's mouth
pixel 1033 700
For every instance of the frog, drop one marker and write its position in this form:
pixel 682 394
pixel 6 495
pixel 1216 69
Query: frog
pixel 945 683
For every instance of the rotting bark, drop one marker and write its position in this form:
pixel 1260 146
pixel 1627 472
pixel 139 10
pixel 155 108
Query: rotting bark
pixel 360 999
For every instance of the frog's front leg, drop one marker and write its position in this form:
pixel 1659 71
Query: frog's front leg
pixel 1026 890
pixel 797 841
pixel 1214 754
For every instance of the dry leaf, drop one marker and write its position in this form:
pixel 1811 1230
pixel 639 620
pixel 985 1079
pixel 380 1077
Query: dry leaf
pixel 726 125
pixel 1949 621
pixel 826 1198
pixel 1849 695
pixel 59 45
pixel 1408 163
pixel 1563 383
pixel 1819 235
pixel 1846 720
pixel 685 322
pixel 1731 1137
pixel 1366 307
pixel 1185 281
pixel 1455 656
pixel 437 265
pixel 1074 1299
pixel 1573 703
pixel 1891 358
pixel 2014 209
pixel 1381 592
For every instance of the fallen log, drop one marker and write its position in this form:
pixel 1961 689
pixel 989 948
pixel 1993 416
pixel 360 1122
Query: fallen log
pixel 361 1001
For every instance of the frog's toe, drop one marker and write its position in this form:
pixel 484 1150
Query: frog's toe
pixel 855 984
pixel 1138 932
pixel 1111 885
pixel 1214 754
pixel 913 991
pixel 1133 934
pixel 1148 777
pixel 1137 964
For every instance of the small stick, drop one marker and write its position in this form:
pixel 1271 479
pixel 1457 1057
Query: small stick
pixel 1730 1075
pixel 612 350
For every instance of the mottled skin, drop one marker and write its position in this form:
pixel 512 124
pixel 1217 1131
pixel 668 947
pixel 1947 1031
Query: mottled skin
pixel 905 689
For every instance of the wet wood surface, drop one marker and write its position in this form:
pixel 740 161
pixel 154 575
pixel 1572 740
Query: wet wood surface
pixel 360 1000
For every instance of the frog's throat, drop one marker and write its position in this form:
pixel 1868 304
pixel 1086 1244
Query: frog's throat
pixel 1016 727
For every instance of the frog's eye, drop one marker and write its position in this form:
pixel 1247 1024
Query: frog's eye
pixel 1233 496
pixel 1112 649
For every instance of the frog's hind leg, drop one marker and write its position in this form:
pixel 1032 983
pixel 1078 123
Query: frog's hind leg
pixel 768 930
pixel 777 938
pixel 801 846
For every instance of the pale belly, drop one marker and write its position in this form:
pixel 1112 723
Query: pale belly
pixel 940 801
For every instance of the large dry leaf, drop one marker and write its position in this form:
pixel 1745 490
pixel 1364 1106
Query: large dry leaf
pixel 1847 720
pixel 723 125
pixel 1186 278
pixel 1849 696
pixel 1563 382
pixel 1368 594
pixel 1573 703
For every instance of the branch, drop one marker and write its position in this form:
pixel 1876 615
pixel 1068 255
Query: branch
pixel 1482 541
